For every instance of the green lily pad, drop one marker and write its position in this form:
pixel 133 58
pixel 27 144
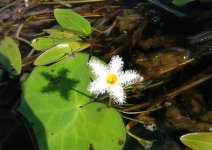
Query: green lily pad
pixel 56 53
pixel 73 21
pixel 10 56
pixel 198 141
pixel 43 43
pixel 56 102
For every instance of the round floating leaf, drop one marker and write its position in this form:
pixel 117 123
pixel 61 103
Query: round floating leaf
pixel 56 102
pixel 56 53
pixel 72 21
pixel 48 42
pixel 10 56
pixel 198 141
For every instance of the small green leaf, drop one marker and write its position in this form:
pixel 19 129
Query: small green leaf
pixel 72 21
pixel 56 53
pixel 10 56
pixel 57 104
pixel 59 32
pixel 198 141
pixel 48 42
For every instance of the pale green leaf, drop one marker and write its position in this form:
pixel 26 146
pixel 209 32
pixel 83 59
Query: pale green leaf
pixel 10 56
pixel 73 21
pixel 56 53
pixel 43 43
pixel 198 141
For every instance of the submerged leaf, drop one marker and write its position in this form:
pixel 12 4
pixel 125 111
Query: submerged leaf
pixel 10 56
pixel 73 21
pixel 198 141
pixel 56 101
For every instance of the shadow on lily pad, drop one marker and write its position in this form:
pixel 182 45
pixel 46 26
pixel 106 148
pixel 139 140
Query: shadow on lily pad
pixel 59 83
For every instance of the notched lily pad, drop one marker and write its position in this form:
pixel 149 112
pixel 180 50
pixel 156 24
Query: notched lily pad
pixel 56 101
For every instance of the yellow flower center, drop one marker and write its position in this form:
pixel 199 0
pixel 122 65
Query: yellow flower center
pixel 111 78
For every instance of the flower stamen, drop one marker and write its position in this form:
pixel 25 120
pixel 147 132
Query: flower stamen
pixel 111 78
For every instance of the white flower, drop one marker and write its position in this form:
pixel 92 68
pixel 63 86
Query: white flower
pixel 112 79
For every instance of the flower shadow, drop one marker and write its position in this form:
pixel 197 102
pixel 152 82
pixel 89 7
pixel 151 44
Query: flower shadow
pixel 59 83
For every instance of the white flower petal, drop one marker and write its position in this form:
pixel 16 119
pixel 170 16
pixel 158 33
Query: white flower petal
pixel 98 69
pixel 97 87
pixel 117 93
pixel 116 64
pixel 129 77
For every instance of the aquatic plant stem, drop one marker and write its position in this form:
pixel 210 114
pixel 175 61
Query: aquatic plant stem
pixel 145 143
pixel 151 109
pixel 110 101
pixel 187 86
pixel 140 121
pixel 20 38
